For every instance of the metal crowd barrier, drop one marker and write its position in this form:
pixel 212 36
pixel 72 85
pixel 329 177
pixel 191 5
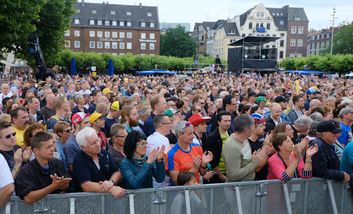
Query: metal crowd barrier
pixel 302 196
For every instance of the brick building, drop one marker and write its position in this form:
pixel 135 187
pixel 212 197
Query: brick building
pixel 115 29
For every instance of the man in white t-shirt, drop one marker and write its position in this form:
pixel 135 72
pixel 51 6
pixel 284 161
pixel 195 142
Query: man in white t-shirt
pixel 156 140
pixel 6 182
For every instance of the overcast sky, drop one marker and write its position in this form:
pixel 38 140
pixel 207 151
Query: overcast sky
pixel 319 12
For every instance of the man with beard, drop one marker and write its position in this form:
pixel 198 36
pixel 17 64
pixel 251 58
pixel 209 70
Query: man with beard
pixel 20 120
pixel 130 118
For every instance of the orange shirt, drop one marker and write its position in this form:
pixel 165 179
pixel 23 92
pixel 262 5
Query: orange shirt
pixel 180 160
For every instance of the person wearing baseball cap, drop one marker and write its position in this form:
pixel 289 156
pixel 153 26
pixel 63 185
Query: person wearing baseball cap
pixel 79 121
pixel 111 118
pixel 257 142
pixel 98 123
pixel 326 163
pixel 346 117
pixel 200 126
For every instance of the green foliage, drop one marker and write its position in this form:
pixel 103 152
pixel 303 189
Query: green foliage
pixel 343 40
pixel 126 63
pixel 335 63
pixel 47 18
pixel 176 42
pixel 17 22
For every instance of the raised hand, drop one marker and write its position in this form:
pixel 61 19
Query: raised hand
pixel 259 155
pixel 196 162
pixel 26 154
pixel 312 150
pixel 152 157
pixel 160 153
pixel 18 156
pixel 207 157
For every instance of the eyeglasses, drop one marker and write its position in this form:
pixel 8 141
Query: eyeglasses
pixel 10 135
pixel 68 131
pixel 166 123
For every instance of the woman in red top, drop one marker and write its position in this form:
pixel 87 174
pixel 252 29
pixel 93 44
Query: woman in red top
pixel 287 162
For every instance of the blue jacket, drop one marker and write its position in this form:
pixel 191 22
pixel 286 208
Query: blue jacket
pixel 148 125
pixel 135 176
pixel 325 162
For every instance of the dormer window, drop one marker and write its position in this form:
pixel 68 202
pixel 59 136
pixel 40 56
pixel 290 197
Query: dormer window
pixel 106 23
pixel 94 11
pixel 121 23
pixel 149 14
pixel 112 12
pixel 152 24
pixel 128 13
pixel 99 22
pixel 143 24
pixel 76 21
pixel 91 22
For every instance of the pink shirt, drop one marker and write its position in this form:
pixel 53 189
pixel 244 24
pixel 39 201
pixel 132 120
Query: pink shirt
pixel 276 168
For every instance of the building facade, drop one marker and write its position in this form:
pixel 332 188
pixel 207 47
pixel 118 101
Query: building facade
pixel 163 26
pixel 289 25
pixel 114 29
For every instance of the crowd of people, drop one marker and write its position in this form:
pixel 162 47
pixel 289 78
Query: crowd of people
pixel 108 134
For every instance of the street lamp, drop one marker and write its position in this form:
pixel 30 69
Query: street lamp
pixel 332 29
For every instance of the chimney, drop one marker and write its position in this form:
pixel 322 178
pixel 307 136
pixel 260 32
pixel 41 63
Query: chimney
pixel 83 3
pixel 140 4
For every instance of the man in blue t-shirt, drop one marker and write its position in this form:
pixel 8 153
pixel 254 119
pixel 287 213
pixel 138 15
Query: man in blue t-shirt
pixel 346 116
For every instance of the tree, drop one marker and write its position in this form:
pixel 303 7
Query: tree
pixel 343 40
pixel 20 19
pixel 17 22
pixel 176 42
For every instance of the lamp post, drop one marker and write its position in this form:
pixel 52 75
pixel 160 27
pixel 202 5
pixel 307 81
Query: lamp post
pixel 332 29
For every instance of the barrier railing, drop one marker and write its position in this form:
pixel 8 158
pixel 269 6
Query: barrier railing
pixel 258 197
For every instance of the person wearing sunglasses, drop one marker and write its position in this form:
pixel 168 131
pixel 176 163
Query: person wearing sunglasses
pixel 14 156
pixel 63 130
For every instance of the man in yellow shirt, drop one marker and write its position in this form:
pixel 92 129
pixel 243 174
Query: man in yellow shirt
pixel 20 121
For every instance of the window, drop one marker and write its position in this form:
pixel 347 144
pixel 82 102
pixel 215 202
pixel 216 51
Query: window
pixel 274 35
pixel 292 55
pixel 78 11
pixel 293 29
pixel 107 45
pixel 114 35
pixel 76 21
pixel 92 34
pixel 300 43
pixel 300 30
pixel 143 46
pixel 107 34
pixel 114 45
pixel 94 11
pixel 67 43
pixel 128 13
pixel 92 44
pixel 122 35
pixel 114 23
pixel 281 22
pixel 292 42
pixel 99 22
pixel 91 22
pixel 112 12
pixel 128 24
pixel 77 33
pixel 297 18
pixel 129 45
pixel 106 23
pixel 282 34
pixel 77 44
pixel 121 23
pixel 67 32
pixel 129 35
pixel 151 46
pixel 152 24
pixel 99 34
pixel 243 35
pixel 99 45
pixel 143 35
pixel 268 26
pixel 143 24
pixel 149 14
pixel 152 36
pixel 281 43
pixel 121 45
